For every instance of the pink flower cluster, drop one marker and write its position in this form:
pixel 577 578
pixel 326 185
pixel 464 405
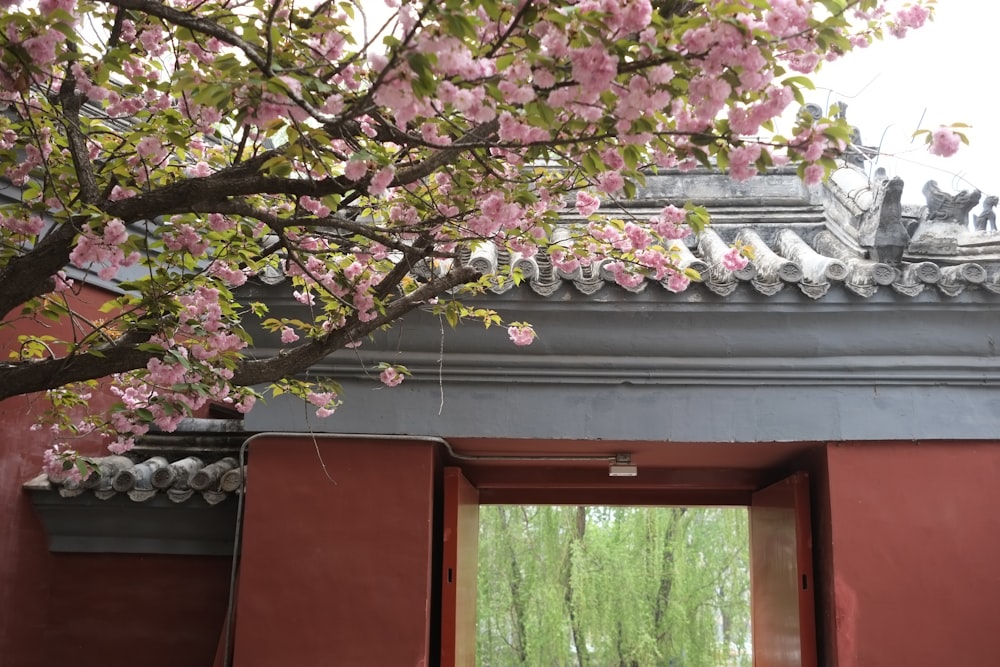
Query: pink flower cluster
pixel 944 142
pixel 30 226
pixel 391 377
pixel 103 249
pixel 912 16
pixel 732 260
pixel 587 204
pixel 34 155
pixel 326 402
pixel 671 223
pixel 59 463
pixel 521 334
pixel 183 236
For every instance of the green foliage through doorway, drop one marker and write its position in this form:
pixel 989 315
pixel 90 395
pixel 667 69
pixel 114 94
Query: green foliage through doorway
pixel 613 587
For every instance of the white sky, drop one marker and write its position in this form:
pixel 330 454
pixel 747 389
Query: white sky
pixel 943 73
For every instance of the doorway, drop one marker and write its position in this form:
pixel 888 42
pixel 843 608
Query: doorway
pixel 781 576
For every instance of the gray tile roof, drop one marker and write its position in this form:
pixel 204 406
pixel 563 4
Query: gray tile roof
pixel 199 460
pixel 813 240
pixel 142 480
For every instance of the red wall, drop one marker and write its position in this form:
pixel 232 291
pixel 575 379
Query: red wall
pixel 25 566
pixel 336 571
pixel 916 553
pixel 84 609
pixel 122 610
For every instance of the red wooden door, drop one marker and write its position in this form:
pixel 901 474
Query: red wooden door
pixel 781 575
pixel 459 571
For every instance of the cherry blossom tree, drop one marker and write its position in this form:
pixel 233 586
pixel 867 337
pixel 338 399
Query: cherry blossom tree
pixel 182 147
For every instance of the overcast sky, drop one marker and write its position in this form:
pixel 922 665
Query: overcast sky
pixel 943 73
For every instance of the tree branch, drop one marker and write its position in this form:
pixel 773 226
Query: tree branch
pixel 30 275
pixel 33 376
pixel 297 359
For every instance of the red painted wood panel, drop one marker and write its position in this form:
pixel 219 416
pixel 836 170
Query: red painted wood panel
pixel 459 571
pixel 336 570
pixel 916 539
pixel 781 579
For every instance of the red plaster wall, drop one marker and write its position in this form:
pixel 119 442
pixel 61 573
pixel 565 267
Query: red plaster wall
pixel 83 609
pixel 122 610
pixel 24 558
pixel 336 572
pixel 915 552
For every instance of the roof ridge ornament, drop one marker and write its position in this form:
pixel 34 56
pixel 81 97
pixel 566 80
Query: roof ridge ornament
pixel 945 232
pixel 987 219
pixel 881 232
pixel 945 207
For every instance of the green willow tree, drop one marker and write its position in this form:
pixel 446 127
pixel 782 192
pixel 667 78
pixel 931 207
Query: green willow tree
pixel 624 587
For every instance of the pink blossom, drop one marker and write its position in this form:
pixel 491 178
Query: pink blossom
pixel 586 203
pixel 49 6
pixel 636 15
pixel 677 282
pixel 671 223
pixel 219 222
pixel 7 139
pixel 200 170
pixel 121 446
pixel 151 150
pixel 320 398
pixel 33 225
pixel 610 182
pixel 391 377
pixel 118 193
pixel 708 95
pixel 288 335
pixel 638 237
pixel 354 270
pixel 42 48
pixel 742 161
pixel 515 93
pixel 814 174
pixel 732 260
pixel 625 276
pixel 62 281
pixel 152 39
pixel 245 404
pixel 612 159
pixel 185 237
pixel 229 274
pixel 355 169
pixel 522 334
pixel 593 68
pixel 114 232
pixel 304 297
pixel 381 180
pixel 944 142
pixel 104 249
pixel 60 464
pixel 913 16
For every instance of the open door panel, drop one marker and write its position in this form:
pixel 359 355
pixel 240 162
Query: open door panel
pixel 459 571
pixel 781 575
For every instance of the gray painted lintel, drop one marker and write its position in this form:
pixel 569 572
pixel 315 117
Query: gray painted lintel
pixel 635 368
pixel 118 525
